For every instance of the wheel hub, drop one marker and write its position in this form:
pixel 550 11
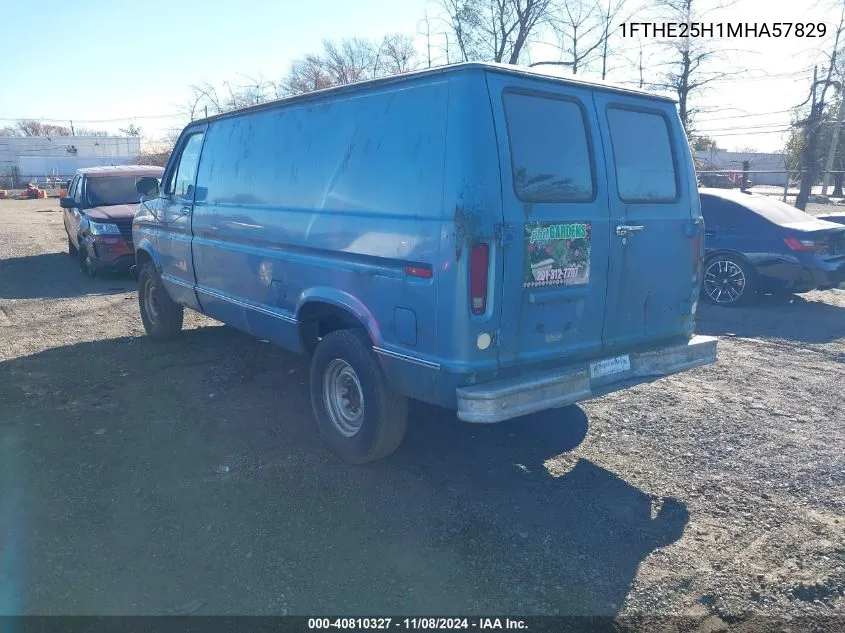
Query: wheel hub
pixel 343 397
pixel 724 281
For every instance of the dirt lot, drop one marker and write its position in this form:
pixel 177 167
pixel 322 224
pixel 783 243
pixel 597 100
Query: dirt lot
pixel 718 492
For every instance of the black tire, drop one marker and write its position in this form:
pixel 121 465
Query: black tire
pixel 162 317
pixel 71 249
pixel 729 280
pixel 383 412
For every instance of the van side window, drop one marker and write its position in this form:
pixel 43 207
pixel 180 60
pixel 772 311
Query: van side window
pixel 550 154
pixel 182 179
pixel 642 153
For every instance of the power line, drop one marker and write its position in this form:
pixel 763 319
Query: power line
pixel 744 116
pixel 116 120
pixel 749 133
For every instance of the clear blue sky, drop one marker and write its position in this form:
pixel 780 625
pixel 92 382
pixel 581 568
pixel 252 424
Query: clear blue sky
pixel 105 59
pixel 102 59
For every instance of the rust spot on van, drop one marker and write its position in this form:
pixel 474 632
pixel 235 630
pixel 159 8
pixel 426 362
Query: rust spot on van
pixel 466 225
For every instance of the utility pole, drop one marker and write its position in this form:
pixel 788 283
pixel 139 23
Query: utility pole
pixel 810 146
pixel 72 132
pixel 833 143
pixel 206 112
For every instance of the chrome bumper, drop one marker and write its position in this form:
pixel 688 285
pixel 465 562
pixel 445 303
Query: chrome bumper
pixel 512 397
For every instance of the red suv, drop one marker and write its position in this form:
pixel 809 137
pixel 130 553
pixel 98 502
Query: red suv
pixel 98 213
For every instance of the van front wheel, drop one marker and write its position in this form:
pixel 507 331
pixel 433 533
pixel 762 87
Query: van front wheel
pixel 162 317
pixel 356 411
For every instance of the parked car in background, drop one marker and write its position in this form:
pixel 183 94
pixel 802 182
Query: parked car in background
pixel 97 213
pixel 717 181
pixel 758 244
pixel 489 239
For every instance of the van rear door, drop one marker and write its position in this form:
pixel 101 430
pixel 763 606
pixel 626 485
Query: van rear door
pixel 556 232
pixel 655 237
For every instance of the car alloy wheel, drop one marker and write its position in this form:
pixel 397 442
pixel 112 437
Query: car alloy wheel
pixel 724 281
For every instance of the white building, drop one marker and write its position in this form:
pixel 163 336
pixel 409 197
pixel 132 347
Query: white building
pixel 45 159
pixel 771 168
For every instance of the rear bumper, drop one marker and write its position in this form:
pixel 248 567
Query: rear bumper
pixel 830 277
pixel 509 398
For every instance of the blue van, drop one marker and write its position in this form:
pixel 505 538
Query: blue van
pixel 483 237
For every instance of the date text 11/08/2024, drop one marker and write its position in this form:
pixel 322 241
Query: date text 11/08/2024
pixel 418 624
pixel 723 29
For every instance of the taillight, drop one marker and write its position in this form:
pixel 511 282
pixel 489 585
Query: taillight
pixel 804 245
pixel 419 271
pixel 479 259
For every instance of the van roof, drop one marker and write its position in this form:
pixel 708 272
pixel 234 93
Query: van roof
pixel 507 69
pixel 122 170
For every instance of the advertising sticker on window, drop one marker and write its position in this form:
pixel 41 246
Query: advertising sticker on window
pixel 556 254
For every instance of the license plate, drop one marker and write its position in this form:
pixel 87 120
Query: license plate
pixel 608 366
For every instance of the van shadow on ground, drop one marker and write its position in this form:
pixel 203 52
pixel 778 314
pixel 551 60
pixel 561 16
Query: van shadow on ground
pixel 789 317
pixel 54 276
pixel 118 508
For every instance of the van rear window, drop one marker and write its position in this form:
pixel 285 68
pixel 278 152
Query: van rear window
pixel 550 155
pixel 642 153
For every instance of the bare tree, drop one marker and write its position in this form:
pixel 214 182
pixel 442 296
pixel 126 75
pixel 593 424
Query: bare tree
pixel 351 60
pixel 84 131
pixel 426 32
pixel 688 67
pixel 305 75
pixel 462 17
pixel 29 127
pixel 494 30
pixel 131 130
pixel 609 12
pixel 348 61
pixel 581 31
pixel 398 55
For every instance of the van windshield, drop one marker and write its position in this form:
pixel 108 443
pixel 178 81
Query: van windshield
pixel 103 192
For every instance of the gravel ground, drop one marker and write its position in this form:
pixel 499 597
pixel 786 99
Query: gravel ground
pixel 139 478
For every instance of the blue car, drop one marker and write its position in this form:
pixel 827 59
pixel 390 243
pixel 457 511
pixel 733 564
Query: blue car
pixel 489 239
pixel 838 218
pixel 758 244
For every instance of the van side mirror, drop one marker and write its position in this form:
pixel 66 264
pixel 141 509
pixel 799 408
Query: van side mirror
pixel 66 203
pixel 147 186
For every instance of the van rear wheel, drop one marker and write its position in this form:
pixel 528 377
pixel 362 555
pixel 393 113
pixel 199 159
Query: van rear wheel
pixel 162 317
pixel 356 410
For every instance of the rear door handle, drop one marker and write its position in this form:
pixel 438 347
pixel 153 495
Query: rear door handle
pixel 624 230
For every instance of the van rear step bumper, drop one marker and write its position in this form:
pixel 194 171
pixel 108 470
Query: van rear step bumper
pixel 512 397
